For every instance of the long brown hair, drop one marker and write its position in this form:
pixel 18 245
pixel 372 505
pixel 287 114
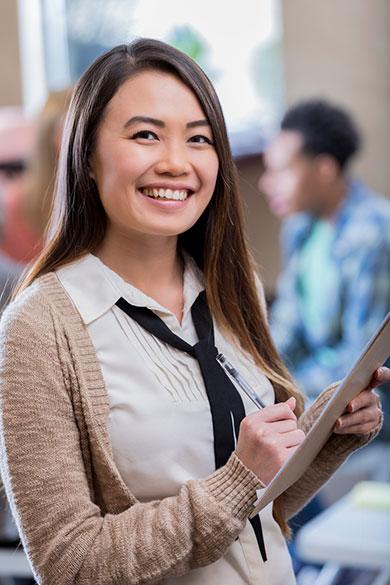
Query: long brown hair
pixel 216 242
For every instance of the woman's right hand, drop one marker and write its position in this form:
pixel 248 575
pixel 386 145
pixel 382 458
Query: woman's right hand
pixel 269 437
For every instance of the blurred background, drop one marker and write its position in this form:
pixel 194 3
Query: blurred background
pixel 262 56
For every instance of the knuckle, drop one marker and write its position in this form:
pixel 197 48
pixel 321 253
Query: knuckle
pixel 272 441
pixel 286 412
pixel 246 424
pixel 249 423
pixel 291 426
pixel 282 407
pixel 263 434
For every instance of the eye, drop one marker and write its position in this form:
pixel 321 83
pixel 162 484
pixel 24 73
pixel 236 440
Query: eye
pixel 201 139
pixel 145 135
pixel 10 174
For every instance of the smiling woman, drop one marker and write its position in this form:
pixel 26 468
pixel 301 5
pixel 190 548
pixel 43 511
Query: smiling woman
pixel 128 455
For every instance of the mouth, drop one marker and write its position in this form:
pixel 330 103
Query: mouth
pixel 166 194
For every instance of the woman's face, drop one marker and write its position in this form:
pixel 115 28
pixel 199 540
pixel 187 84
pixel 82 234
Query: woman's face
pixel 154 163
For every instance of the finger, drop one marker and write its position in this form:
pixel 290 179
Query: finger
pixel 362 400
pixel 291 402
pixel 292 439
pixel 362 416
pixel 277 412
pixel 361 429
pixel 283 426
pixel 380 376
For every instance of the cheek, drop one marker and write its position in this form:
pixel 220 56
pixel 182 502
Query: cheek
pixel 118 172
pixel 285 186
pixel 294 187
pixel 303 198
pixel 209 173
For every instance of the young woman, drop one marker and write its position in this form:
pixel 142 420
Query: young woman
pixel 122 451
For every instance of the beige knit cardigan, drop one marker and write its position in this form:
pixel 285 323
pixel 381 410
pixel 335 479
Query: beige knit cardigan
pixel 78 521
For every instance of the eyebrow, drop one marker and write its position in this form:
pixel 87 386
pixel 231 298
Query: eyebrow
pixel 160 123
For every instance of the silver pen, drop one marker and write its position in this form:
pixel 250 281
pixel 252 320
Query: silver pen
pixel 235 374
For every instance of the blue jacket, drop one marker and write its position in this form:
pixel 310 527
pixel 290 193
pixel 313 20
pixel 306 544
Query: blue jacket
pixel 358 301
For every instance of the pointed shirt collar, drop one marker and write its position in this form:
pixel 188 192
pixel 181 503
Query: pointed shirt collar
pixel 94 288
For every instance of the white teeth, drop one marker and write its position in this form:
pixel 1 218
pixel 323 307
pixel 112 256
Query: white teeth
pixel 166 194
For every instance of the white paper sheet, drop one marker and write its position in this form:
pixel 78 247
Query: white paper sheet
pixel 372 357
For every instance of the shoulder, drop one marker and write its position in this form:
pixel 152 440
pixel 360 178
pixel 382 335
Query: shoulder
pixel 30 306
pixel 367 207
pixel 365 220
pixel 37 312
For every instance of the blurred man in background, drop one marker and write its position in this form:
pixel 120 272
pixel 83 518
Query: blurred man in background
pixel 16 139
pixel 334 289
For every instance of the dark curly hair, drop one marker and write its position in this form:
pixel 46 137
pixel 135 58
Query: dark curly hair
pixel 326 129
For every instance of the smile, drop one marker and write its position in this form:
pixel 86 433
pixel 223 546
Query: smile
pixel 168 194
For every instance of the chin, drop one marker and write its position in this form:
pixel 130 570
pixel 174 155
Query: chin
pixel 167 231
pixel 279 212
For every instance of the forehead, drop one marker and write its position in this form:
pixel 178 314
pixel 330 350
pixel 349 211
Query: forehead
pixel 157 94
pixel 283 149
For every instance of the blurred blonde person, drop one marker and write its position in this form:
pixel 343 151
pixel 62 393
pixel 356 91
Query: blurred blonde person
pixel 44 159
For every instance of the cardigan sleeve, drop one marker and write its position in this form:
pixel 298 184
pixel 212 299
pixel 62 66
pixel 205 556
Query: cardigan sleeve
pixel 67 538
pixel 335 451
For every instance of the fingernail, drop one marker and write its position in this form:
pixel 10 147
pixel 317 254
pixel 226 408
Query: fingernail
pixel 292 402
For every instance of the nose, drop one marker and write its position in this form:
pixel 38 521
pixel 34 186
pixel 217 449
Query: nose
pixel 173 160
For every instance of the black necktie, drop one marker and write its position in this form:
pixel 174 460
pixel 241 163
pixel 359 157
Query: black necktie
pixel 226 404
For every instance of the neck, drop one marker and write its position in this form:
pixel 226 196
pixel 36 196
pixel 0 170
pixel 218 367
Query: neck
pixel 150 263
pixel 332 198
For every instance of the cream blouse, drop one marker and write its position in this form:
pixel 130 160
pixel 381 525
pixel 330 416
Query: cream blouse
pixel 160 422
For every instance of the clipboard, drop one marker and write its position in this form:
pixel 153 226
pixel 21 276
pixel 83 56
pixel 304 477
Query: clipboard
pixel 372 357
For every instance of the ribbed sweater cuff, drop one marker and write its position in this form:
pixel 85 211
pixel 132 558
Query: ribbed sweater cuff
pixel 234 485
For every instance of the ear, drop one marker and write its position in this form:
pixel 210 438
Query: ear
pixel 328 168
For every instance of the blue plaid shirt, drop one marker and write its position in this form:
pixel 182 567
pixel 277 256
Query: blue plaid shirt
pixel 357 295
